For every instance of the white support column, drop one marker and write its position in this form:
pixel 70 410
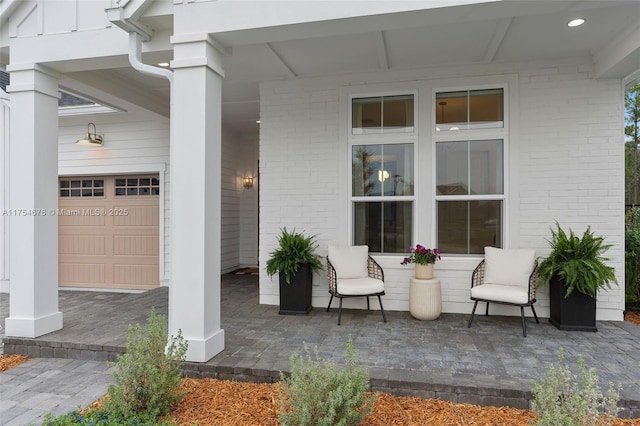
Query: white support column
pixel 4 192
pixel 33 200
pixel 194 292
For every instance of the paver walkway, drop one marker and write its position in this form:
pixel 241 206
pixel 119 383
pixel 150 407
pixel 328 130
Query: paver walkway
pixel 490 364
pixel 48 385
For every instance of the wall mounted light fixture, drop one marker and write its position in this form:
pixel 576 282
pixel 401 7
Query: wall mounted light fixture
pixel 247 182
pixel 90 139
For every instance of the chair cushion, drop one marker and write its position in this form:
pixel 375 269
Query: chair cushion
pixel 349 261
pixel 508 266
pixel 501 293
pixel 359 286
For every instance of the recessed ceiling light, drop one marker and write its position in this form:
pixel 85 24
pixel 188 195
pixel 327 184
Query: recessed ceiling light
pixel 163 64
pixel 575 22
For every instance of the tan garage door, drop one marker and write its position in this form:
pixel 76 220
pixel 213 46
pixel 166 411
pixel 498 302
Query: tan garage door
pixel 109 231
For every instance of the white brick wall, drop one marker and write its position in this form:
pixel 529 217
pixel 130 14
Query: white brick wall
pixel 567 155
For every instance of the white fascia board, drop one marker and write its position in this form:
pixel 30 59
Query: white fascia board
pixel 99 43
pixel 621 57
pixel 224 16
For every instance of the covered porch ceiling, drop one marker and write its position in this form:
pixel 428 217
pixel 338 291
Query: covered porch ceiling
pixel 473 34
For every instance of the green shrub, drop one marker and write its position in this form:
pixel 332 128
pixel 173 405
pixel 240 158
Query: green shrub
pixel 147 376
pixel 98 417
pixel 318 393
pixel 632 257
pixel 564 398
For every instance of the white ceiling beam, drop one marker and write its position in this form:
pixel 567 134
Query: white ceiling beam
pixel 496 40
pixel 620 57
pixel 281 62
pixel 381 49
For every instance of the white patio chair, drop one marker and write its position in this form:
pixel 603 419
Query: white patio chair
pixel 353 273
pixel 505 276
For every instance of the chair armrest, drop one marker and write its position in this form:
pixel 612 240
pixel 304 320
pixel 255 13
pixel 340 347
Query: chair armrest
pixel 477 278
pixel 533 280
pixel 332 276
pixel 374 270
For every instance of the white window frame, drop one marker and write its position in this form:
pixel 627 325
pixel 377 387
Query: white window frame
pixel 389 138
pixel 473 135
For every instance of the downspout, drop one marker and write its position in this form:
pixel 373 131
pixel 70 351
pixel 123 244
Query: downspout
pixel 135 59
pixel 137 33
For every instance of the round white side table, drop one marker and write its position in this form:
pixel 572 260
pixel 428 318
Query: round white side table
pixel 425 299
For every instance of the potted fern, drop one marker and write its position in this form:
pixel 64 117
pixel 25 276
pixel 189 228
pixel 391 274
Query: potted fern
pixel 576 270
pixel 295 261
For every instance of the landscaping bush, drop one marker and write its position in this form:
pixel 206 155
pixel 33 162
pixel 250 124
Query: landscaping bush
pixel 318 393
pixel 632 258
pixel 147 376
pixel 564 398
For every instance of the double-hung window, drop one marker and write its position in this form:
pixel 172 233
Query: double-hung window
pixel 469 135
pixel 382 193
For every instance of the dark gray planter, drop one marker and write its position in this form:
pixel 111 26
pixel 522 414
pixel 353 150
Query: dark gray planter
pixel 574 313
pixel 295 298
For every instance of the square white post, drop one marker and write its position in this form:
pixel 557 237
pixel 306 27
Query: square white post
pixel 33 202
pixel 196 150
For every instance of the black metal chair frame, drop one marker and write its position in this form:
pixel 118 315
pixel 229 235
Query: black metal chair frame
pixel 374 271
pixel 477 278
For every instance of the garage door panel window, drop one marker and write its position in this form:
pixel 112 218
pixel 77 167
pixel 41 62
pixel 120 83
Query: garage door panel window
pixel 81 187
pixel 137 186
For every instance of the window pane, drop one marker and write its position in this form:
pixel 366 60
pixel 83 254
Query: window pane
pixel 132 182
pixel 366 114
pixel 382 114
pixel 87 192
pixel 145 182
pixel 382 170
pixel 64 192
pixel 473 109
pixel 486 167
pixel 397 169
pixel 64 184
pixel 121 182
pixel 365 164
pixel 466 227
pixel 155 181
pixel 75 184
pixel 397 113
pixel 452 168
pixel 87 183
pixel 98 183
pixel 144 191
pixel 98 192
pixel 120 191
pixel 451 110
pixel 132 191
pixel 75 192
pixel 469 167
pixel 385 227
pixel 155 191
pixel 486 109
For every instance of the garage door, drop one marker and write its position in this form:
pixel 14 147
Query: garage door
pixel 109 231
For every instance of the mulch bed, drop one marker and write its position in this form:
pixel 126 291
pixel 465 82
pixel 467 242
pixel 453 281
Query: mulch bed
pixel 217 402
pixel 632 316
pixel 10 361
